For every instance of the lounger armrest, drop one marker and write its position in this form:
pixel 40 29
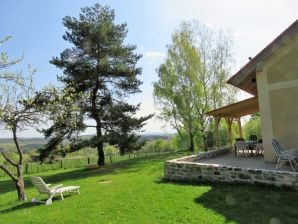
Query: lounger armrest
pixel 57 186
pixel 294 151
pixel 49 185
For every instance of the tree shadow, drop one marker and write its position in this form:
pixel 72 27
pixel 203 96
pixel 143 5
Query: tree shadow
pixel 8 185
pixel 251 204
pixel 58 178
pixel 26 205
pixel 20 206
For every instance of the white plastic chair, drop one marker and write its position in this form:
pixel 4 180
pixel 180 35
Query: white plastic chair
pixel 44 188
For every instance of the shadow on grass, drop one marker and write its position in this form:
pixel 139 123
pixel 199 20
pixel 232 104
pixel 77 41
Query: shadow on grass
pixel 28 204
pixel 64 175
pixel 122 166
pixel 20 206
pixel 248 204
pixel 252 204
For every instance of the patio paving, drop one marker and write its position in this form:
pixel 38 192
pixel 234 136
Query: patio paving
pixel 254 162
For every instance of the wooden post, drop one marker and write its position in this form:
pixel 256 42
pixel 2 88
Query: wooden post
pixel 229 121
pixel 239 127
pixel 26 168
pixel 217 120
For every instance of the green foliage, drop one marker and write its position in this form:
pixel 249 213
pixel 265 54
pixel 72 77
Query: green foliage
pixel 253 127
pixel 223 132
pixel 158 145
pixel 192 79
pixel 180 142
pixel 110 149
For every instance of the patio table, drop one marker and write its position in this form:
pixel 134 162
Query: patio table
pixel 250 145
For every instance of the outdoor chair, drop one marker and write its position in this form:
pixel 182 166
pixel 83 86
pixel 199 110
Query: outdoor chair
pixel 253 138
pixel 44 188
pixel 240 139
pixel 240 146
pixel 284 156
pixel 259 147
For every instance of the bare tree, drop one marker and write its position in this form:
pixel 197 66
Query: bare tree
pixel 17 112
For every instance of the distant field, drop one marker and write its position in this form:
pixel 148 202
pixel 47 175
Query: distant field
pixel 35 143
pixel 26 143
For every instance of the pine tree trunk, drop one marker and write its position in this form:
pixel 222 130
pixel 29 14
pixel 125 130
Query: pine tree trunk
pixel 101 155
pixel 191 143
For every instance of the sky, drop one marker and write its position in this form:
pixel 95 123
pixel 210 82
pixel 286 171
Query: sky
pixel 36 29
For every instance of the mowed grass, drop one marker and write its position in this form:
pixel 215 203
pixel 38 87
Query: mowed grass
pixel 133 192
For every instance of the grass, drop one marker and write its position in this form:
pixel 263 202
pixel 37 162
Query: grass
pixel 133 192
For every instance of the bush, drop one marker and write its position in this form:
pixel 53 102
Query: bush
pixel 158 145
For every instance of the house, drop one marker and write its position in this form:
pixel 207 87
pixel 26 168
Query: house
pixel 272 78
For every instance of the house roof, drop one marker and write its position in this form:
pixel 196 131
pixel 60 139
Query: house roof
pixel 245 78
pixel 237 110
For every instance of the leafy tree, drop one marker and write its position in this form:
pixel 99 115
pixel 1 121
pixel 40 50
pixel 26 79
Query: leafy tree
pixel 192 79
pixel 17 112
pixel 100 72
pixel 253 126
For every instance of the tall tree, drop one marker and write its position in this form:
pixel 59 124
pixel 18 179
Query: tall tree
pixel 101 69
pixel 192 79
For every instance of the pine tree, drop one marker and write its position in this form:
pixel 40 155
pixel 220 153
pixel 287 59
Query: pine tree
pixel 101 69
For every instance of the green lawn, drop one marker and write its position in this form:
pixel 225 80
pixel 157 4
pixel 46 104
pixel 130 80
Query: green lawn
pixel 132 192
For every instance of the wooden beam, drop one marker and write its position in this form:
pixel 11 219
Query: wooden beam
pixel 229 121
pixel 239 127
pixel 217 120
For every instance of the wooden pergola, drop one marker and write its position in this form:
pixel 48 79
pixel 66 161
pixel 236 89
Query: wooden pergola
pixel 234 112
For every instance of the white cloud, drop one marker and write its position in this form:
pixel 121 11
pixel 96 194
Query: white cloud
pixel 153 56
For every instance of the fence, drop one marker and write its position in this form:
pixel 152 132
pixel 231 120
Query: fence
pixel 36 167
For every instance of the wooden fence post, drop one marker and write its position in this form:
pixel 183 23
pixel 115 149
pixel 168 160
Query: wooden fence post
pixel 26 168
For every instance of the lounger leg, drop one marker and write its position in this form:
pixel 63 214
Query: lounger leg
pixel 35 199
pixel 61 194
pixel 278 163
pixel 291 164
pixel 49 201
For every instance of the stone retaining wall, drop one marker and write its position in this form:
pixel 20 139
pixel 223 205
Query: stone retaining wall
pixel 190 169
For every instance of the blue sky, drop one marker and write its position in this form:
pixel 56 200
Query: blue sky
pixel 36 28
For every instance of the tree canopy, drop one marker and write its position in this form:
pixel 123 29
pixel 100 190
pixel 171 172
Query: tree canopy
pixel 192 79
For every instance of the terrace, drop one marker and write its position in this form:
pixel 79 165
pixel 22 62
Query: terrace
pixel 221 165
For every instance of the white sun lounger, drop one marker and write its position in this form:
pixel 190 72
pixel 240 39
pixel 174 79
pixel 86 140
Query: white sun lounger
pixel 44 188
